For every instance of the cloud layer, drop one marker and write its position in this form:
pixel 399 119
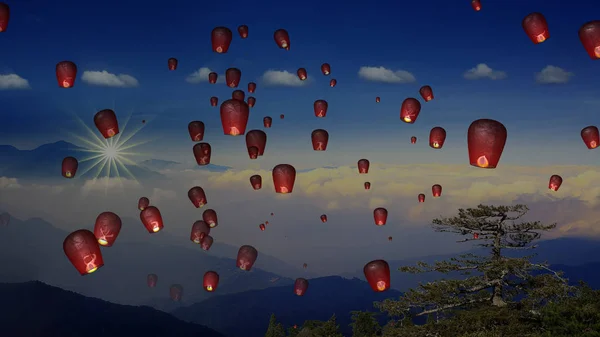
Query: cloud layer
pixel 105 79
pixel 553 75
pixel 13 82
pixel 483 71
pixel 282 78
pixel 381 74
pixel 201 76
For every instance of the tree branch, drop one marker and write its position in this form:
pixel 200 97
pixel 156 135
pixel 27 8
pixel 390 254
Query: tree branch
pixel 450 306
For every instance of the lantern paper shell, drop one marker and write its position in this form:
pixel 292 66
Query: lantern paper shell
pixel 197 196
pixel 234 117
pixel 367 185
pixel 200 229
pixel 377 274
pixel 436 190
pixel 257 138
pixel 413 140
pixel 555 182
pixel 282 39
pixel 238 94
pixel 319 138
pixel 206 242
pixel 152 280
pixel 143 203
pixel 172 63
pixel 220 39
pixel 107 228
pixel 325 69
pixel 333 82
pixel 202 152
pixel 196 130
pixel 590 137
pixel 256 182
pixel 262 227
pixel 390 238
pixel 176 292
pixel 486 139
pixel 152 219
pixel 320 106
pixel 267 122
pixel 211 281
pixel 251 87
pixel 536 27
pixel 253 152
pixel 251 101
pixel 69 167
pixel 4 16
pixel 300 286
pixel 106 122
pixel 212 77
pixel 66 72
pixel 210 217
pixel 363 166
pixel 284 176
pixel 476 4
pixel 589 34
pixel 243 31
pixel 214 101
pixel 410 109
pixel 282 116
pixel 437 137
pixel 380 215
pixel 377 99
pixel 421 197
pixel 246 257
pixel 83 251
pixel 426 92
pixel 323 218
pixel 302 74
pixel 233 77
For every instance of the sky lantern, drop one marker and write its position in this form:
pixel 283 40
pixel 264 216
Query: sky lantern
pixel 220 39
pixel 200 229
pixel 206 242
pixel 476 4
pixel 413 140
pixel 176 292
pixel 377 274
pixel 367 185
pixel 304 265
pixel 212 77
pixel 377 99
pixel 426 92
pixel 590 136
pixel 325 69
pixel 302 75
pixel 251 101
pixel 421 197
pixel 380 215
pixel 253 152
pixel 320 107
pixel 589 34
pixel 202 153
pixel 486 139
pixel 390 238
pixel 152 219
pixel 333 82
pixel 197 196
pixel 151 280
pixel 172 63
pixel 410 109
pixel 256 182
pixel 69 167
pixel 210 281
pixel 475 236
pixel 196 130
pixel 210 217
pixel 66 72
pixel 262 227
pixel 319 138
pixel 238 94
pixel 107 228
pixel 143 203
pixel 282 38
pixel 267 122
pixel 83 251
pixel 251 87
pixel 536 27
pixel 300 286
pixel 324 218
pixel 243 30
pixel 257 138
pixel 555 182
pixel 106 122
pixel 437 137
pixel 233 77
pixel 4 16
pixel 284 176
pixel 234 117
pixel 282 116
pixel 214 101
pixel 436 190
pixel 363 166
pixel 246 257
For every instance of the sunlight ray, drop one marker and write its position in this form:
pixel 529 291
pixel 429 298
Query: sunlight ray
pixel 124 168
pixel 94 164
pixel 100 155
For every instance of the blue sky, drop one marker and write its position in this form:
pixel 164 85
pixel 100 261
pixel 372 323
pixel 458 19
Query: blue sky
pixel 436 41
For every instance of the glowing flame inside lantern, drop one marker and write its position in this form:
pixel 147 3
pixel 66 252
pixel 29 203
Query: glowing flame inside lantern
pixel 66 84
pixel 435 145
pixel 233 131
pixel 483 162
pixel 381 285
pixel 407 119
pixel 283 190
pixel 593 143
pixel 209 288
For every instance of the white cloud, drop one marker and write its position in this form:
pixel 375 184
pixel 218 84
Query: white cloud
pixel 553 75
pixel 13 81
pixel 482 71
pixel 201 75
pixel 381 74
pixel 159 194
pixel 106 79
pixel 6 183
pixel 108 184
pixel 282 78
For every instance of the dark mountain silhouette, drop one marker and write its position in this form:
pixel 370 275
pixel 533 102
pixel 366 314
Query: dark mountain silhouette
pixel 35 309
pixel 32 250
pixel 249 311
pixel 45 162
pixel 212 168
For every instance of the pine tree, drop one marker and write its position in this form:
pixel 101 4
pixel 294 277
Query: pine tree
pixel 275 329
pixel 293 331
pixel 330 328
pixel 495 281
pixel 364 324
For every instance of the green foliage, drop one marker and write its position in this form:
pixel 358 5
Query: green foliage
pixel 275 329
pixel 364 324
